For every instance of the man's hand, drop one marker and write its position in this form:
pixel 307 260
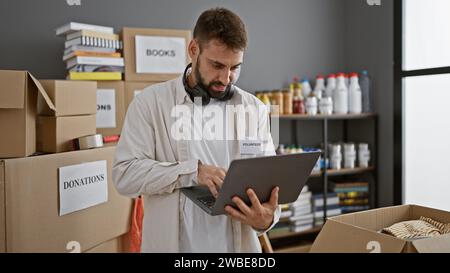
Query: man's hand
pixel 212 177
pixel 259 216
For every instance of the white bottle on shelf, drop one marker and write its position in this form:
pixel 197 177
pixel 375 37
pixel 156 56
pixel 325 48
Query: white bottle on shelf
pixel 331 85
pixel 349 155
pixel 311 105
pixel 319 88
pixel 354 95
pixel 341 96
pixel 335 157
pixel 306 88
pixel 363 155
pixel 326 105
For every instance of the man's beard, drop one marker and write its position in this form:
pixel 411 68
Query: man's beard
pixel 208 87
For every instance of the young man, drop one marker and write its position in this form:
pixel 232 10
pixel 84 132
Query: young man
pixel 152 162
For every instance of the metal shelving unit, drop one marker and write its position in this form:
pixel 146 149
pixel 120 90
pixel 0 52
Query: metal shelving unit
pixel 326 173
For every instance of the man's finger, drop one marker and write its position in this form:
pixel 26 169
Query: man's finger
pixel 235 213
pixel 213 189
pixel 241 205
pixel 254 199
pixel 222 173
pixel 274 196
pixel 217 181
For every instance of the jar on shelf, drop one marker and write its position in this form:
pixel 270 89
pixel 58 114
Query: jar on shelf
pixel 287 102
pixel 363 155
pixel 277 102
pixel 349 155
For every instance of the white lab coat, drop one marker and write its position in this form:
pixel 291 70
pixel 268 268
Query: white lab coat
pixel 151 163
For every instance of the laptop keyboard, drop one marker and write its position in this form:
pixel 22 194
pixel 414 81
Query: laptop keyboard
pixel 207 200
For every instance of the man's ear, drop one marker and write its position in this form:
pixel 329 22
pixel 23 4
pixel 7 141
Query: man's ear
pixel 193 49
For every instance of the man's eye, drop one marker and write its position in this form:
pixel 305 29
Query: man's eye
pixel 235 68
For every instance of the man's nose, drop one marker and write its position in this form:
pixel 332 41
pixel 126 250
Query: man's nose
pixel 225 77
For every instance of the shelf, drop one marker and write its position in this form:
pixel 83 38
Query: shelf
pixel 322 117
pixel 343 172
pixel 294 234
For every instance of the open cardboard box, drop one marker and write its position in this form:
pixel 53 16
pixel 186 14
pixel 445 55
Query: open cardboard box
pixel 360 232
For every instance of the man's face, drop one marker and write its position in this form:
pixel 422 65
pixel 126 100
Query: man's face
pixel 216 67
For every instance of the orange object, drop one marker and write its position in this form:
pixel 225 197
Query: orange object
pixel 136 226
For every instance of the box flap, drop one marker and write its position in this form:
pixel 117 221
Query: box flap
pixel 12 89
pixel 438 244
pixel 42 92
pixel 336 237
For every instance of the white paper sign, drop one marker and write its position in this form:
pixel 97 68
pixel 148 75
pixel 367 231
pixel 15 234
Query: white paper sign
pixel 160 55
pixel 82 186
pixel 106 108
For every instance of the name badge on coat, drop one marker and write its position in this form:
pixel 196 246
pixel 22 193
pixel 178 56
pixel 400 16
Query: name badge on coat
pixel 250 147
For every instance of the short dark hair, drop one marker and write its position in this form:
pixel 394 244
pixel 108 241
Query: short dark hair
pixel 223 25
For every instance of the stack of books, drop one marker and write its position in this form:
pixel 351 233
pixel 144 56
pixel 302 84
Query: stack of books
pixel 296 216
pixel 91 52
pixel 301 218
pixel 353 196
pixel 318 207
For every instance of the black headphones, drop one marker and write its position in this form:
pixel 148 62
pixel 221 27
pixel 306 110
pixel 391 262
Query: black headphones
pixel 200 91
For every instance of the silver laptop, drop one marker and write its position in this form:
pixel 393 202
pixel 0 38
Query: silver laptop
pixel 262 174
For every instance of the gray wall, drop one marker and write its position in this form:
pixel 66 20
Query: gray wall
pixel 369 35
pixel 287 37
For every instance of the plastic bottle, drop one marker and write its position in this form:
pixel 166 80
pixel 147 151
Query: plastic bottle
pixel 335 157
pixel 306 88
pixel 363 155
pixel 298 107
pixel 296 88
pixel 319 88
pixel 311 105
pixel 331 85
pixel 341 96
pixel 349 155
pixel 346 80
pixel 366 90
pixel 354 95
pixel 326 105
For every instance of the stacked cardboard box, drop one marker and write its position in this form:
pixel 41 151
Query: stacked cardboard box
pixel 110 108
pixel 61 202
pixel 74 115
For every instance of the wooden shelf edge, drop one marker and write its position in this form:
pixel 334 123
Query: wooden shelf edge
pixel 293 234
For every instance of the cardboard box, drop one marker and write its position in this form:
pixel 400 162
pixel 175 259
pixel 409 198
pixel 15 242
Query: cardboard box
pixel 110 107
pixel 70 98
pixel 115 245
pixel 55 134
pixel 29 205
pixel 18 103
pixel 360 232
pixel 162 53
pixel 132 89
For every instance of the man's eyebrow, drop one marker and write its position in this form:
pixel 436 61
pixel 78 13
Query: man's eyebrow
pixel 221 64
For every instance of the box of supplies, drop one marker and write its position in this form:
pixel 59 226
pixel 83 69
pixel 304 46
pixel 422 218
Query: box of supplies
pixel 386 230
pixel 60 202
pixel 155 55
pixel 70 98
pixel 18 102
pixel 132 89
pixel 55 134
pixel 110 107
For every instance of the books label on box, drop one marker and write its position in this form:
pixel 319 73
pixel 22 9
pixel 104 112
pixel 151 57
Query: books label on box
pixel 82 186
pixel 106 108
pixel 160 55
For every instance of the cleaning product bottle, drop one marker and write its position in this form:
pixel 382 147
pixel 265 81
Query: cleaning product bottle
pixel 319 88
pixel 341 96
pixel 354 95
pixel 306 88
pixel 296 88
pixel 367 99
pixel 331 85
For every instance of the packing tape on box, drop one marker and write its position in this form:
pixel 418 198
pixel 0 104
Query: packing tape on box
pixel 88 142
